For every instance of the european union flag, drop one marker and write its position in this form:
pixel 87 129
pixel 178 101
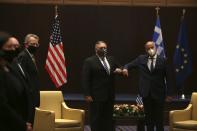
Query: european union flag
pixel 158 39
pixel 182 58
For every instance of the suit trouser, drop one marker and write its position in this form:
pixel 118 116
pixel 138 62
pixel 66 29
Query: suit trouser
pixel 154 110
pixel 101 116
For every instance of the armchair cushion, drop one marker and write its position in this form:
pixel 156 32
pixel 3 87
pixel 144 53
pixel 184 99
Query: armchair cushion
pixel 52 100
pixel 189 125
pixel 65 123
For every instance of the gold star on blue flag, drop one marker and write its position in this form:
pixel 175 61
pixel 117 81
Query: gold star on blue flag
pixel 182 57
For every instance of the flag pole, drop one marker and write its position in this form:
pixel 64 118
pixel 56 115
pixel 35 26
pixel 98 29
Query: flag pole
pixel 182 92
pixel 157 11
pixel 183 15
pixel 56 10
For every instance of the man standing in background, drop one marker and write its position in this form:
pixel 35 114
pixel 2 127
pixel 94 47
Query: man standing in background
pixel 28 63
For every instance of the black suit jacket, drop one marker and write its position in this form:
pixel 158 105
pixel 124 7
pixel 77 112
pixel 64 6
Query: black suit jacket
pixel 31 71
pixel 14 100
pixel 16 66
pixel 95 80
pixel 152 83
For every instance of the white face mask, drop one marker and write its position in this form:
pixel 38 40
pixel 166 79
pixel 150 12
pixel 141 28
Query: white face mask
pixel 151 52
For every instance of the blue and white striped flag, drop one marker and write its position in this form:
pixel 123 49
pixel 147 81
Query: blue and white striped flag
pixel 158 39
pixel 139 100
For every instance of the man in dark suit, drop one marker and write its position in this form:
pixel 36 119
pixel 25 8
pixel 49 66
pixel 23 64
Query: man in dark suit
pixel 97 81
pixel 27 62
pixel 14 91
pixel 152 84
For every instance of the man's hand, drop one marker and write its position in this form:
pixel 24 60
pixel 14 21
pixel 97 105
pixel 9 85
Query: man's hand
pixel 88 99
pixel 168 99
pixel 28 126
pixel 125 72
pixel 118 71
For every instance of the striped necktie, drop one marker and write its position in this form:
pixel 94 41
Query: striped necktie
pixel 105 66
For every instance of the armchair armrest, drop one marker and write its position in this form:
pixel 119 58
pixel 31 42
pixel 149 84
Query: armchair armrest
pixel 73 114
pixel 180 115
pixel 44 120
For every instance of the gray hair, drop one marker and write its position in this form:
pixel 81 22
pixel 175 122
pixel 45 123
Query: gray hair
pixel 30 35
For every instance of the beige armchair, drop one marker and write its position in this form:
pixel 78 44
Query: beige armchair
pixel 185 120
pixel 54 115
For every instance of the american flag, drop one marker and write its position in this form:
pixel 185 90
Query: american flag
pixel 55 62
pixel 158 39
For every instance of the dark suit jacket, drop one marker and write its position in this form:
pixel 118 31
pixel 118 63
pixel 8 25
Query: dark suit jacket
pixel 152 83
pixel 95 80
pixel 32 78
pixel 25 77
pixel 30 68
pixel 14 100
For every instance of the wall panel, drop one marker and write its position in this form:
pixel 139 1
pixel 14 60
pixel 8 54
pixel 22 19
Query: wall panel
pixel 149 2
pixel 13 1
pixel 181 2
pixel 184 3
pixel 115 2
pixel 45 1
pixel 81 2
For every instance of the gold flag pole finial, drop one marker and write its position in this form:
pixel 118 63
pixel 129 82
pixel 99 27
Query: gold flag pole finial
pixel 56 10
pixel 157 10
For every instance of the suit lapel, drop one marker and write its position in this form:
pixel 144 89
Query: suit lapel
pixel 110 63
pixel 157 62
pixel 98 61
pixel 32 62
pixel 145 61
pixel 101 65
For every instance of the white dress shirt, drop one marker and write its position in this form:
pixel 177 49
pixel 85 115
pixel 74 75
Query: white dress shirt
pixel 150 60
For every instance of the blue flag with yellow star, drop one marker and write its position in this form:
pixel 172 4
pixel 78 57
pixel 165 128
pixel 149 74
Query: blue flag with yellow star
pixel 182 57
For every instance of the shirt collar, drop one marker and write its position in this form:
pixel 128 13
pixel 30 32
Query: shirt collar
pixel 104 58
pixel 154 57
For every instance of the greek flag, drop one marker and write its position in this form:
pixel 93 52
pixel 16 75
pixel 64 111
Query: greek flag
pixel 139 100
pixel 158 39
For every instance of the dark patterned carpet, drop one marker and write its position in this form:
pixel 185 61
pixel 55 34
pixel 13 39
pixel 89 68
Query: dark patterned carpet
pixel 124 128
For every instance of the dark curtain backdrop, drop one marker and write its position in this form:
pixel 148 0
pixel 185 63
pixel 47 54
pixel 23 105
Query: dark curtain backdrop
pixel 125 29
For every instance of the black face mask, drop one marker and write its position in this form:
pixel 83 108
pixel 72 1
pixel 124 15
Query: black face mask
pixel 9 55
pixel 32 49
pixel 102 52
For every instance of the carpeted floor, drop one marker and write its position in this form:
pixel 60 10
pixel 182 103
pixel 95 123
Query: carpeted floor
pixel 124 128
